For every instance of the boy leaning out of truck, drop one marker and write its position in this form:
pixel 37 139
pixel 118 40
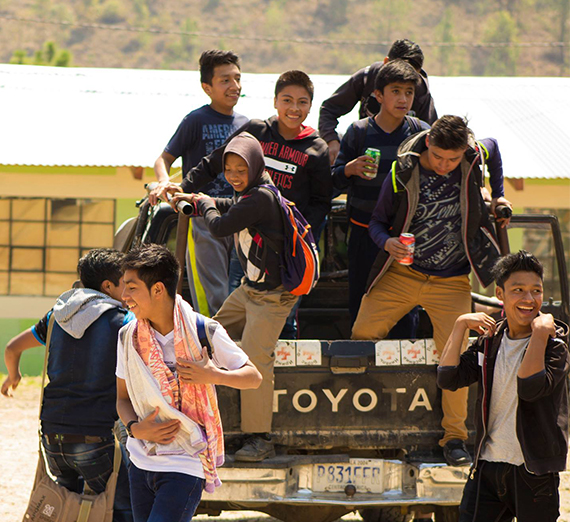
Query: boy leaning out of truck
pixel 256 311
pixel 166 393
pixel 521 366
pixel 434 192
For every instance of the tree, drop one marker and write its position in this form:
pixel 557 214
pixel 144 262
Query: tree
pixel 49 54
pixel 502 60
pixel 444 31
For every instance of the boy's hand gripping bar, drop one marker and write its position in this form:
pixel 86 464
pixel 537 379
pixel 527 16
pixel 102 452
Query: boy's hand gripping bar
pixel 183 206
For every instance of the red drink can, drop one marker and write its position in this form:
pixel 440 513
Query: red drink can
pixel 410 241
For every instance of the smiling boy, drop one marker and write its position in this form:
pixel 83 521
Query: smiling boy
pixel 521 365
pixel 355 173
pixel 296 157
pixel 434 192
pixel 165 390
pixel 200 132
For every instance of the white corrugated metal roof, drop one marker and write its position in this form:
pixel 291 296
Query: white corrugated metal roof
pixel 114 117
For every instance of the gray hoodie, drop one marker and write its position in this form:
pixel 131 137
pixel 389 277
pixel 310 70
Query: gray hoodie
pixel 77 309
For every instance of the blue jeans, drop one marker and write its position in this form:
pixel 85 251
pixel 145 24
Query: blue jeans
pixel 235 272
pixel 75 464
pixel 164 496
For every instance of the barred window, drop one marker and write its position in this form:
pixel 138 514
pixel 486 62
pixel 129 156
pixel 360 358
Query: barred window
pixel 42 239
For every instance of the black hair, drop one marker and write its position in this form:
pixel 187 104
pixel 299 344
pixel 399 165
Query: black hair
pixel 522 261
pixel 396 71
pixel 154 263
pixel 213 58
pixel 98 265
pixel 295 77
pixel 450 133
pixel 409 51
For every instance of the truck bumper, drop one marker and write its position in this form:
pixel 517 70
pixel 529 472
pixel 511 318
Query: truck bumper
pixel 292 482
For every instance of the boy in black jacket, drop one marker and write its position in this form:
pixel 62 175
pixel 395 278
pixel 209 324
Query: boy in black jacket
pixel 256 311
pixel 521 365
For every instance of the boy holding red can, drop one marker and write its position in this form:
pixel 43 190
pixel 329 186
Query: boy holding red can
pixel 434 193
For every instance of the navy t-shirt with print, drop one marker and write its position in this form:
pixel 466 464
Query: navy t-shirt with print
pixel 198 134
pixel 436 225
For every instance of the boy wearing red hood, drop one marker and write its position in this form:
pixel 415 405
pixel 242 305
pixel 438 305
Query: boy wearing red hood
pixel 257 310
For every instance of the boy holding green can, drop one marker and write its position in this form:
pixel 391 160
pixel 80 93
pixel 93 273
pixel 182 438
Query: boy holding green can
pixel 360 171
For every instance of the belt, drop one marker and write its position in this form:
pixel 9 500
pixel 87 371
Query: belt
pixel 71 438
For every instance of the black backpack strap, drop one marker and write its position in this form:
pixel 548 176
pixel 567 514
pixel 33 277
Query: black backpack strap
pixel 414 123
pixel 206 328
pixel 366 73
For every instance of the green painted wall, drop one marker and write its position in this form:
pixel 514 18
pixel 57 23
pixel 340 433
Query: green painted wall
pixel 32 360
pixel 125 209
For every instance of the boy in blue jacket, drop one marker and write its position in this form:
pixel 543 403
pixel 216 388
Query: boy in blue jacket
pixel 353 171
pixel 79 411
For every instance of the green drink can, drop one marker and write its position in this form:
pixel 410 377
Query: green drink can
pixel 374 155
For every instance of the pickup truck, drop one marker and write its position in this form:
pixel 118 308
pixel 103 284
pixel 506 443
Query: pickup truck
pixel 356 423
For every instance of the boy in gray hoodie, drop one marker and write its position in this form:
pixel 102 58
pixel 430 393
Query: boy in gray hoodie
pixel 78 411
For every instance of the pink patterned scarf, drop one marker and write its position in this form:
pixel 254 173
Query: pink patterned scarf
pixel 198 402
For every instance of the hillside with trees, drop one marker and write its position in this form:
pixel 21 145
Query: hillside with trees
pixel 461 37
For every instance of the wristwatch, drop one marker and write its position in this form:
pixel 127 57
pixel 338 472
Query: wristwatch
pixel 128 428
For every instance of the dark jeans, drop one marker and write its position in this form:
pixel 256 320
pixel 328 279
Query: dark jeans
pixel 498 492
pixel 164 496
pixel 362 252
pixel 75 464
pixel 290 329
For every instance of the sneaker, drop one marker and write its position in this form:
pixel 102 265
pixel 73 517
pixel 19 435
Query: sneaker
pixel 255 449
pixel 456 454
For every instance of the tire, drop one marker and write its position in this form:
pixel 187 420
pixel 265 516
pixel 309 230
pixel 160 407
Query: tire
pixel 447 514
pixel 387 514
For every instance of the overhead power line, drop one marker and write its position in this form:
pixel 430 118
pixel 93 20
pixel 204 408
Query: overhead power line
pixel 306 41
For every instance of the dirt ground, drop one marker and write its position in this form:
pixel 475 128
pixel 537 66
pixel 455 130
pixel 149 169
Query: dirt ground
pixel 18 432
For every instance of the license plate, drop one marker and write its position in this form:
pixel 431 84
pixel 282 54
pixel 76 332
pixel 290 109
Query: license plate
pixel 364 474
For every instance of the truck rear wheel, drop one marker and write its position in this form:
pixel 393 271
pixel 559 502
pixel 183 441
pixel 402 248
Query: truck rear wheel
pixel 387 514
pixel 447 514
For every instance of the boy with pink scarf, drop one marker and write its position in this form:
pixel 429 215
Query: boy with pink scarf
pixel 166 391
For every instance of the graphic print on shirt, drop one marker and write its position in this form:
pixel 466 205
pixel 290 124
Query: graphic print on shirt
pixel 213 136
pixel 282 162
pixel 437 223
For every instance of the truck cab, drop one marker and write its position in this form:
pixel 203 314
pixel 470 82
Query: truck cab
pixel 356 423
